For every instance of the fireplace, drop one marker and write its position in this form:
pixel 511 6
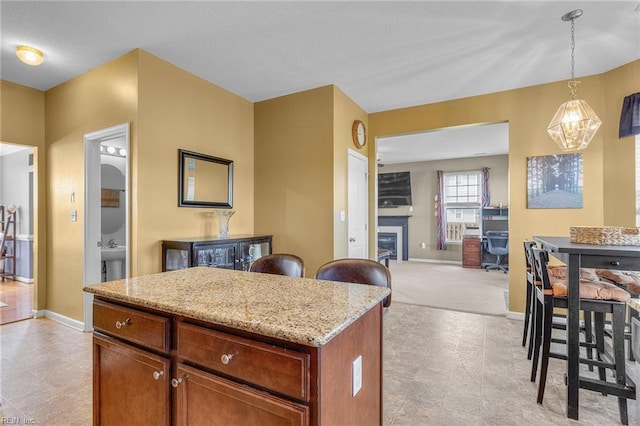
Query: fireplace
pixel 394 230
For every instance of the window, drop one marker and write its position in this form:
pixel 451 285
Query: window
pixel 462 203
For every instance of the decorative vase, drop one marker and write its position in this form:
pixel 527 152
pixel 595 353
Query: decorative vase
pixel 223 218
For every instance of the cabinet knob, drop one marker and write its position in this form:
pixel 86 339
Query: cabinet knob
pixel 120 324
pixel 226 358
pixel 176 382
pixel 615 263
pixel 157 374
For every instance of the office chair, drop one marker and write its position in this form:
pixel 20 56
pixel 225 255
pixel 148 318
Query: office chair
pixel 498 245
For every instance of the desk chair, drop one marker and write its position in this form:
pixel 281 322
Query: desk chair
pixel 279 264
pixel 359 271
pixel 498 245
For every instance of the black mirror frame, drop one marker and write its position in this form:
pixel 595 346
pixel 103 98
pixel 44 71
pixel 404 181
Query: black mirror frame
pixel 228 203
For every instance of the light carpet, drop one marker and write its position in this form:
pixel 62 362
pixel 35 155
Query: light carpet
pixel 450 287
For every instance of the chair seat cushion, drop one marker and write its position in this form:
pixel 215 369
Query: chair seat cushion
pixel 560 272
pixel 593 290
pixel 628 279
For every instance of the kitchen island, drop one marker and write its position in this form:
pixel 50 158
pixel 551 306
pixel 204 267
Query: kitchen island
pixel 215 346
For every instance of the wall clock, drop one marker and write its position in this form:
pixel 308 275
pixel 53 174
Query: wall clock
pixel 359 133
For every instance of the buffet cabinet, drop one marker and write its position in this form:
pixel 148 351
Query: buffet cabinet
pixel 234 252
pixel 155 368
pixel 471 252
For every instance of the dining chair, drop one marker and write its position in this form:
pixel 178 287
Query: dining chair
pixel 279 264
pixel 530 298
pixel 595 296
pixel 359 271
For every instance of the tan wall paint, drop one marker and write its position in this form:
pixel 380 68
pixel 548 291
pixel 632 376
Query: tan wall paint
pixel 619 154
pixel 422 222
pixel 294 174
pixel 22 122
pixel 180 110
pixel 345 111
pixel 101 98
pixel 528 112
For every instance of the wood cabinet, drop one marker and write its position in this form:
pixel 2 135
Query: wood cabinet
pixel 471 252
pixel 152 367
pixel 235 252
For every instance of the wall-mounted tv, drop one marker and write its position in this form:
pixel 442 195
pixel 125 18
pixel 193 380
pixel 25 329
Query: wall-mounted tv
pixel 394 189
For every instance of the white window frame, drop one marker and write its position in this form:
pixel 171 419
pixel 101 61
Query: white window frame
pixel 455 234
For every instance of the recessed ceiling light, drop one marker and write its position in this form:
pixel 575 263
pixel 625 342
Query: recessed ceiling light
pixel 29 55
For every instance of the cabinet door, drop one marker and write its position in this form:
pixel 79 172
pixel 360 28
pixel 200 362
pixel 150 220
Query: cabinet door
pixel 204 398
pixel 130 386
pixel 215 256
pixel 253 249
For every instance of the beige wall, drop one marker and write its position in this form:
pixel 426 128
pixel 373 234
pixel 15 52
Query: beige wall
pixel 22 122
pixel 101 98
pixel 179 110
pixel 528 112
pixel 422 222
pixel 619 155
pixel 294 174
pixel 344 113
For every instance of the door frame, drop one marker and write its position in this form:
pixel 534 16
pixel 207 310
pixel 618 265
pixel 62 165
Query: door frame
pixel 356 155
pixel 92 270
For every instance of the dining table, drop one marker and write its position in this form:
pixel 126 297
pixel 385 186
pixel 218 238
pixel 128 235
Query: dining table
pixel 576 256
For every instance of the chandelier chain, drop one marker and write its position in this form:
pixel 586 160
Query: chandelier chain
pixel 573 84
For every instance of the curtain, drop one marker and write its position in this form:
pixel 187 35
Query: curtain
pixel 441 223
pixel 486 192
pixel 630 116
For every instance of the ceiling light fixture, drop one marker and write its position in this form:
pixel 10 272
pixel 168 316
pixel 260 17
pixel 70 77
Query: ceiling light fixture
pixel 574 124
pixel 29 55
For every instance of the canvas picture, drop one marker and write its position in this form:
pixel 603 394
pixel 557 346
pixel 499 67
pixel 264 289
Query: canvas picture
pixel 554 182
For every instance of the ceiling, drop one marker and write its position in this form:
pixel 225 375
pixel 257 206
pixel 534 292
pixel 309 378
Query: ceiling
pixel 383 55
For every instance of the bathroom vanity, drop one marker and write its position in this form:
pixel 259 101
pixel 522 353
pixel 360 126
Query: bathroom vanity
pixel 217 346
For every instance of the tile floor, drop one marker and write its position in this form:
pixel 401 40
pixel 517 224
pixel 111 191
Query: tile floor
pixel 440 368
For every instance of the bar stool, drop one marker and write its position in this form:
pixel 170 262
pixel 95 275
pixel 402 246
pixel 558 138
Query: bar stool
pixel 279 264
pixel 359 271
pixel 598 297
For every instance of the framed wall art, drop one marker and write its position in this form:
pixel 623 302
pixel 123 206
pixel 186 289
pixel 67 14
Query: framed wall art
pixel 554 182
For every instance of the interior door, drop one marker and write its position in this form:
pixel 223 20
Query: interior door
pixel 358 206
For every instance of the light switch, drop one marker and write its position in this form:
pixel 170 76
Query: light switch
pixel 343 215
pixel 74 215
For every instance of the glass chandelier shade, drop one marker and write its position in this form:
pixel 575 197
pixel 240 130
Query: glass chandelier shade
pixel 574 123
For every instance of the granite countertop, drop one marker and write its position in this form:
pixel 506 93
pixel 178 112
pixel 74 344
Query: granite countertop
pixel 634 304
pixel 300 310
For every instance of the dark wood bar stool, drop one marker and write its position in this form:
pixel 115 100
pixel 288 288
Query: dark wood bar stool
pixel 600 298
pixel 279 264
pixel 359 271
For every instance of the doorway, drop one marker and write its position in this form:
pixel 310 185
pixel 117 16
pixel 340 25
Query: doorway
pixel 106 208
pixel 17 174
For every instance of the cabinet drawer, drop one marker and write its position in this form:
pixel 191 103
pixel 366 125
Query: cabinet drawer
pixel 610 262
pixel 134 326
pixel 281 370
pixel 204 398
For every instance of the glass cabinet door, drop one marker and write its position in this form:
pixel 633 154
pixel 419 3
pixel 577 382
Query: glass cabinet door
pixel 252 250
pixel 218 256
pixel 176 259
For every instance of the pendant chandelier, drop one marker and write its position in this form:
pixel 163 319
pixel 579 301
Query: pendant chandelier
pixel 574 124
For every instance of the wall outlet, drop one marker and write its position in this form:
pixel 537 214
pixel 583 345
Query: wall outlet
pixel 74 215
pixel 423 245
pixel 356 374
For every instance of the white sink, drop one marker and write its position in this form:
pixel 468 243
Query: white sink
pixel 114 253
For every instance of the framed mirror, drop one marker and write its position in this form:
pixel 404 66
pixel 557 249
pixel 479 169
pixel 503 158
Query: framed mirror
pixel 204 181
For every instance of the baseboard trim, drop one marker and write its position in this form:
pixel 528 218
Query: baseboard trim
pixel 449 262
pixel 62 319
pixel 515 315
pixel 24 280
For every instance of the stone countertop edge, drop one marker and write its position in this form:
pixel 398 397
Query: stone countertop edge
pixel 299 310
pixel 634 304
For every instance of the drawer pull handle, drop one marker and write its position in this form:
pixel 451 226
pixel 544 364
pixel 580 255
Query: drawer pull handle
pixel 120 324
pixel 176 382
pixel 226 358
pixel 157 375
pixel 615 263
